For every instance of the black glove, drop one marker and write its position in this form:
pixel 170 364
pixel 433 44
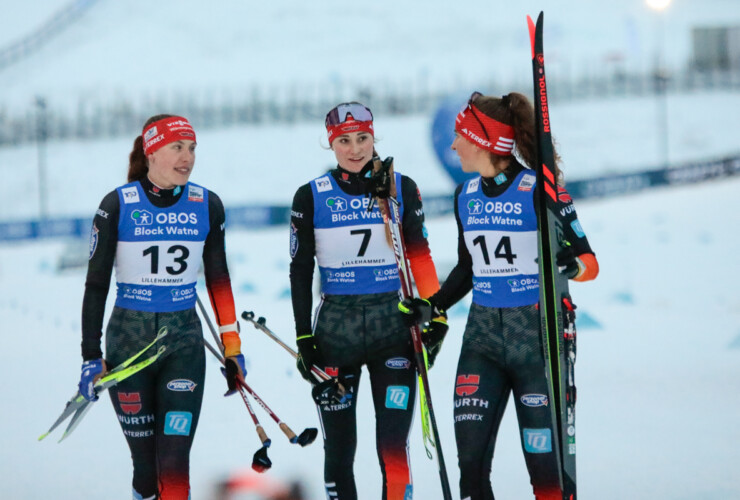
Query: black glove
pixel 416 311
pixel 567 262
pixel 378 183
pixel 308 355
pixel 433 335
pixel 331 392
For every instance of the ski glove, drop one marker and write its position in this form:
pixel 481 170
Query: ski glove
pixel 330 392
pixel 416 311
pixel 308 355
pixel 379 183
pixel 90 372
pixel 234 367
pixel 433 335
pixel 432 319
pixel 568 263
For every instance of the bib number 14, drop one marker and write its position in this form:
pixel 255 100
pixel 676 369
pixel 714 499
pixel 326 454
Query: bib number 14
pixel 502 251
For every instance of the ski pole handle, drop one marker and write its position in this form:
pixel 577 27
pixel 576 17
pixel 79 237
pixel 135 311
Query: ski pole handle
pixel 259 324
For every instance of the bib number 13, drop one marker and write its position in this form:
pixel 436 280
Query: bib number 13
pixel 180 254
pixel 502 251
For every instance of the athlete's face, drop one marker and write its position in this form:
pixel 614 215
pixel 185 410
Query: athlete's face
pixel 171 165
pixel 472 158
pixel 353 150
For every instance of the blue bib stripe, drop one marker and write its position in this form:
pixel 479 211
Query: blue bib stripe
pixel 352 251
pixel 501 237
pixel 160 250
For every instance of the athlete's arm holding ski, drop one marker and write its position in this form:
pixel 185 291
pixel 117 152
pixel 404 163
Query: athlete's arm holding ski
pixel 103 241
pixel 218 284
pixel 576 260
pixel 417 245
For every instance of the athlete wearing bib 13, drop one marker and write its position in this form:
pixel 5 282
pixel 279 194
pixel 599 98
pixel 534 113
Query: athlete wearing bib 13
pixel 356 322
pixel 156 230
pixel 497 252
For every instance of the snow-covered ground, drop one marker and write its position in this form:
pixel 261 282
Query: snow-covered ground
pixel 658 368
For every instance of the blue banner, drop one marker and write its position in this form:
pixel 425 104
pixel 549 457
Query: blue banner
pixel 253 217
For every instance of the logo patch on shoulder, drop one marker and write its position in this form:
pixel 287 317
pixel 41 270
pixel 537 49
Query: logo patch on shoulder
pixel 195 193
pixel 130 195
pixel 527 182
pixel 323 184
pixel 473 186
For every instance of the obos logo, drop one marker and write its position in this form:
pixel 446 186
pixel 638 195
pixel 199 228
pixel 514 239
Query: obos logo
pixel 142 217
pixel 337 204
pixel 475 207
pixel 513 283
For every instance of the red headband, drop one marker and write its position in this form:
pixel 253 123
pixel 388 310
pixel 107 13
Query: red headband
pixel 475 126
pixel 165 131
pixel 350 125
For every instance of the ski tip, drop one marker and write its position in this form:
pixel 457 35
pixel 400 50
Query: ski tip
pixel 42 436
pixel 532 29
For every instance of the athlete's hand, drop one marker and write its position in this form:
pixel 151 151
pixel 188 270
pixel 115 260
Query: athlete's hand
pixel 379 183
pixel 567 262
pixel 90 372
pixel 308 356
pixel 433 335
pixel 234 368
pixel 416 311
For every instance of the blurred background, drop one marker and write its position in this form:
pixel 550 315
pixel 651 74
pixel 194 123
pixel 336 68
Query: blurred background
pixel 644 98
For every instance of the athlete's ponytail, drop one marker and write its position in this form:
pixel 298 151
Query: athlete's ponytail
pixel 138 165
pixel 515 109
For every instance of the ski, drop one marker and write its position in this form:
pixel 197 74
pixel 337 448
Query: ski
pixel 79 406
pixel 389 208
pixel 557 313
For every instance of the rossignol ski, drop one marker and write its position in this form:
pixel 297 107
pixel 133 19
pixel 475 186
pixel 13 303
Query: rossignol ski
pixel 389 207
pixel 557 312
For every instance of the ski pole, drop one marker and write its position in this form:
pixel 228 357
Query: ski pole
pixel 260 461
pixel 259 324
pixel 304 438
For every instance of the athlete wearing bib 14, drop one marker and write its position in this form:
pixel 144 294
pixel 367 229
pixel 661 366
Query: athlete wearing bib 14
pixel 156 230
pixel 497 252
pixel 356 322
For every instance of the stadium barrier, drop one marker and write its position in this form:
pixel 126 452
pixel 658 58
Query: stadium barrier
pixel 261 216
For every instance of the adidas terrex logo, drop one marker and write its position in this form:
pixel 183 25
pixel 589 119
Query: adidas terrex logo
pixel 484 143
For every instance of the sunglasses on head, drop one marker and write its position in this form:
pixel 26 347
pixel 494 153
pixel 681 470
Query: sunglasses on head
pixel 339 114
pixel 475 95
